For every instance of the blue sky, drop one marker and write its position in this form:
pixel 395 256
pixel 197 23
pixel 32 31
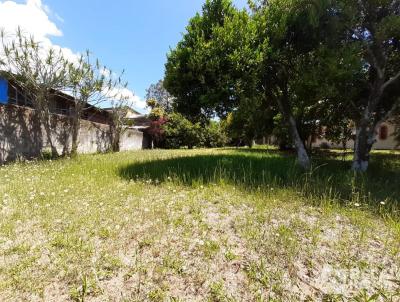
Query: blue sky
pixel 133 35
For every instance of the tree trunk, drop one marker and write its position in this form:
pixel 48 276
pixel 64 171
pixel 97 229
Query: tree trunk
pixel 365 139
pixel 365 131
pixel 115 139
pixel 302 156
pixel 284 106
pixel 46 122
pixel 74 135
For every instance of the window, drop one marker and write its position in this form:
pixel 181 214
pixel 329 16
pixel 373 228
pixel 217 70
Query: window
pixel 29 102
pixel 20 98
pixel 12 95
pixel 383 132
pixel 17 97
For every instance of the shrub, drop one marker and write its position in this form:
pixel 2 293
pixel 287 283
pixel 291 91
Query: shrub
pixel 214 135
pixel 180 132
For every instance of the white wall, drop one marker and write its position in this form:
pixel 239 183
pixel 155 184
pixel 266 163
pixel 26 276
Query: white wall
pixel 388 144
pixel 21 135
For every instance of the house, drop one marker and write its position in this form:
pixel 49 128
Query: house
pixel 134 119
pixel 22 135
pixel 385 139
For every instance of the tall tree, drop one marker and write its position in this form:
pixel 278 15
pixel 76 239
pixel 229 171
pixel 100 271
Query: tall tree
pixel 251 61
pixel 193 71
pixel 87 82
pixel 290 34
pixel 373 27
pixel 92 84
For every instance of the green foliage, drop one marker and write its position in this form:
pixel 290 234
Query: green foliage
pixel 297 66
pixel 214 135
pixel 198 71
pixel 396 121
pixel 180 132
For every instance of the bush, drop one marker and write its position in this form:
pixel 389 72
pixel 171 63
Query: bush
pixel 214 135
pixel 180 132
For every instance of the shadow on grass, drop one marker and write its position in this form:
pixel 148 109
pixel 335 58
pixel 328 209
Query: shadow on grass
pixel 260 169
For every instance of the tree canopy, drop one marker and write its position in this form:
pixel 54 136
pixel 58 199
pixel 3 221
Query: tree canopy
pixel 291 67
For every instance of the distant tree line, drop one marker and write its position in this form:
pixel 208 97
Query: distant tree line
pixel 289 68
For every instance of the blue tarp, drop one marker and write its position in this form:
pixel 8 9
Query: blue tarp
pixel 3 91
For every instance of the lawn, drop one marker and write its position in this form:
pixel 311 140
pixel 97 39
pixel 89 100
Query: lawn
pixel 200 225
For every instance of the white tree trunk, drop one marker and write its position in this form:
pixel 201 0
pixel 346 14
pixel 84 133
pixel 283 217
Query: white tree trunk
pixel 365 139
pixel 302 156
pixel 360 163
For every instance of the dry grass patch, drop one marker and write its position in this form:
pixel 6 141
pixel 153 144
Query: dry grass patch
pixel 219 225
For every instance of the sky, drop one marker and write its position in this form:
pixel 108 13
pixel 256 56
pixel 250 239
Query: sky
pixel 130 35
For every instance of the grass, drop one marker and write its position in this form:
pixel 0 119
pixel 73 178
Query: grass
pixel 200 225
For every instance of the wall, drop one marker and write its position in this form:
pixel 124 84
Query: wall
pixel 21 135
pixel 387 144
pixel 133 139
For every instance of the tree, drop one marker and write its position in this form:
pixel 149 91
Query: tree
pixel 373 29
pixel 396 122
pixel 249 64
pixel 158 118
pixel 193 70
pixel 250 121
pixel 88 84
pixel 40 71
pixel 320 63
pixel 91 84
pixel 118 124
pixel 293 31
pixel 158 93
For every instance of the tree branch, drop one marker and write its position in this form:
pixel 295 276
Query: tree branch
pixel 374 62
pixel 391 81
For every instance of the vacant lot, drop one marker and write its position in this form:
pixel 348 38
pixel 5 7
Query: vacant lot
pixel 203 225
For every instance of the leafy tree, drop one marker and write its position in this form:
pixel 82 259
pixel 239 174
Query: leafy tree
pixel 193 70
pixel 90 84
pixel 251 64
pixel 250 121
pixel 322 64
pixel 293 31
pixel 373 30
pixel 158 118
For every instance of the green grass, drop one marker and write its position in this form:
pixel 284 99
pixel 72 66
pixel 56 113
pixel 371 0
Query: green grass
pixel 205 225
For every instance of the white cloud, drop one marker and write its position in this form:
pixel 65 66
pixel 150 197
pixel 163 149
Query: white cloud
pixel 131 99
pixel 33 17
pixel 140 104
